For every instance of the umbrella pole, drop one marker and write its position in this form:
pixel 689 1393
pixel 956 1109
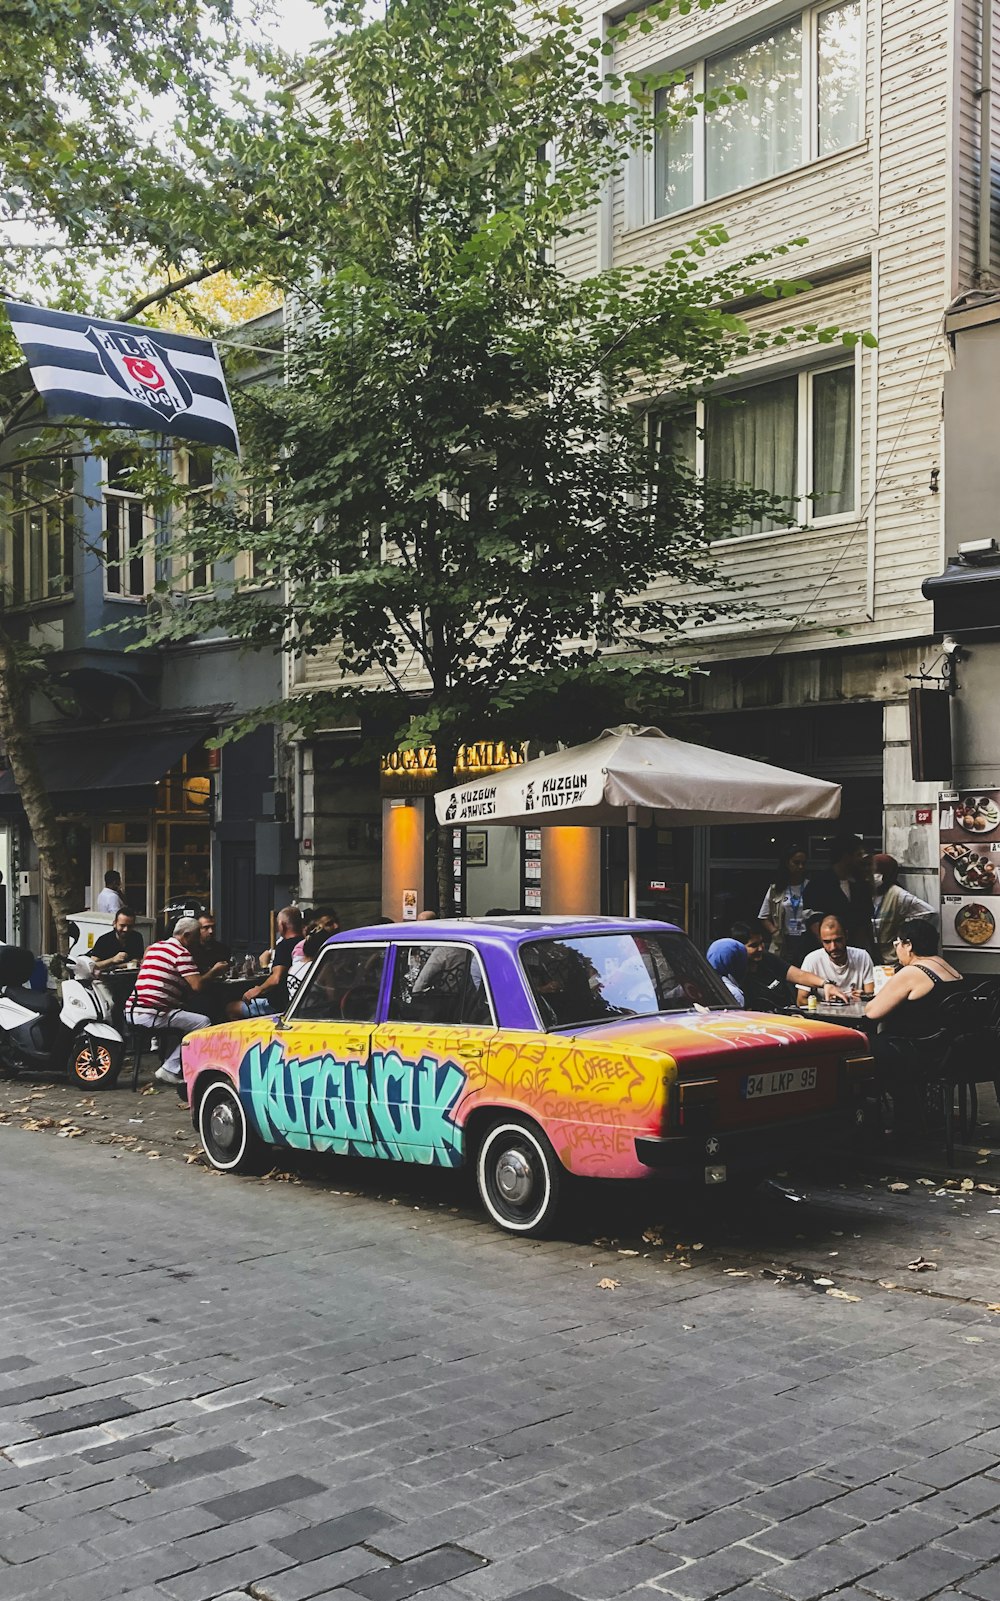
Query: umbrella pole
pixel 633 871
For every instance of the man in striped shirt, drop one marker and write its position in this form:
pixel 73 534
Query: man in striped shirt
pixel 167 981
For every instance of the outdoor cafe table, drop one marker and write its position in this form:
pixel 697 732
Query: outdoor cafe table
pixel 850 1013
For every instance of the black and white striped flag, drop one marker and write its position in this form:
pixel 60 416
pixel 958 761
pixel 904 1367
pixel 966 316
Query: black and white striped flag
pixel 117 373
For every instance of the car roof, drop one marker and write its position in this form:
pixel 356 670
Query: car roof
pixel 510 930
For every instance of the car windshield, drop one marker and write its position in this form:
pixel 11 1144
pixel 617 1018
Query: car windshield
pixel 595 978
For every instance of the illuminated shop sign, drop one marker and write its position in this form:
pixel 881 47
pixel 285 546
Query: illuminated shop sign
pixel 415 771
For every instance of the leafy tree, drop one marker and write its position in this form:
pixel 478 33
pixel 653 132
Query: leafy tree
pixel 473 516
pixel 121 127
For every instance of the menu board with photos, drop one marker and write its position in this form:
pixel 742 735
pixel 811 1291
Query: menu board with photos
pixel 969 823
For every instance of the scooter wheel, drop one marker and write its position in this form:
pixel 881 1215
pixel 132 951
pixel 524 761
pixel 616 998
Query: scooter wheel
pixel 92 1065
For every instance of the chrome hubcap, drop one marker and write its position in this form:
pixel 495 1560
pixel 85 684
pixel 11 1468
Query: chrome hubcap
pixel 222 1125
pixel 515 1180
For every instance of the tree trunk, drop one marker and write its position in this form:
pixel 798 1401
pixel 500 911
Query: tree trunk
pixel 49 836
pixel 446 755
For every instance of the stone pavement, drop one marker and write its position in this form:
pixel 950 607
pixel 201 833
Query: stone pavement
pixel 350 1385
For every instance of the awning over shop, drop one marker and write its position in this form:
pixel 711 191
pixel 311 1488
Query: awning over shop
pixel 123 767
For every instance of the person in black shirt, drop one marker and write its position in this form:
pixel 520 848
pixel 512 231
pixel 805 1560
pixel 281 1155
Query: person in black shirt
pixel 208 951
pixel 121 944
pixel 272 995
pixel 844 890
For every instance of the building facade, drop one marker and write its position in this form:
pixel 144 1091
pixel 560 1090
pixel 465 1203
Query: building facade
pixel 125 735
pixel 861 133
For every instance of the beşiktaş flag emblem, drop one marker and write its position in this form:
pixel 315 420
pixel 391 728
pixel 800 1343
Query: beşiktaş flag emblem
pixel 132 377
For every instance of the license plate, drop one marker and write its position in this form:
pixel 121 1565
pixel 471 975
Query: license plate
pixel 788 1081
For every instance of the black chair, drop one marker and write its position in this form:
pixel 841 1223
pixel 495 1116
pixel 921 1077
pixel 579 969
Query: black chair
pixel 964 1054
pixel 139 1043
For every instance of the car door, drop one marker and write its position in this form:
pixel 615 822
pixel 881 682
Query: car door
pixel 430 1050
pixel 309 1088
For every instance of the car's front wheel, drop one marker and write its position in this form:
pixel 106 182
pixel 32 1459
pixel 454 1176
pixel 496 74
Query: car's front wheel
pixel 518 1175
pixel 228 1141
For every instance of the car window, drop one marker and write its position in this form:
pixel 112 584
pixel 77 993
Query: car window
pixel 438 983
pixel 343 986
pixel 594 978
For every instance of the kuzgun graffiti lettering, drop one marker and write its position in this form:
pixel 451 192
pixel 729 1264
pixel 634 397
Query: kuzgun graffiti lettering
pixel 387 1107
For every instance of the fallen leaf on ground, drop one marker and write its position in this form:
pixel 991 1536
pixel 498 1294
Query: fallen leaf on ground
pixel 993 1306
pixel 193 1156
pixel 842 1295
pixel 921 1265
pixel 968 1184
pixel 651 1237
pixel 608 1284
pixel 988 1189
pixel 736 1272
pixel 154 1156
pixel 898 1189
pixel 888 1284
pixel 929 1184
pixel 628 1253
pixel 984 1151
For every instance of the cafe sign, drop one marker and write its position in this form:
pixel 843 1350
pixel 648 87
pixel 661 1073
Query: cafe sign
pixel 414 772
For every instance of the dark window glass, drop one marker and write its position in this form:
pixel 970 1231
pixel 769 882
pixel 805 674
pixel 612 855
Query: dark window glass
pixel 438 983
pixel 599 977
pixel 343 986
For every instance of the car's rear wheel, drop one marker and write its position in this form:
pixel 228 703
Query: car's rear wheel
pixel 518 1176
pixel 228 1141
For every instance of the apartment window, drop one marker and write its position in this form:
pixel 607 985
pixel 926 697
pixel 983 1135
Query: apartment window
pixel 196 470
pixel 257 566
pixel 792 438
pixel 40 559
pixel 803 100
pixel 128 556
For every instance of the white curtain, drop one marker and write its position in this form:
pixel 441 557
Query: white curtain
pixel 756 138
pixel 673 154
pixel 833 442
pixel 751 437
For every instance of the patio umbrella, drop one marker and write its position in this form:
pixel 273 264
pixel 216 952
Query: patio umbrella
pixel 633 775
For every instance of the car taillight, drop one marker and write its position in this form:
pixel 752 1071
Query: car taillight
pixel 697 1104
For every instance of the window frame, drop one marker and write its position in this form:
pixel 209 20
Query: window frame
pixel 406 944
pixel 809 134
pixel 125 498
pixel 63 502
pixel 182 582
pixel 806 374
pixel 292 1014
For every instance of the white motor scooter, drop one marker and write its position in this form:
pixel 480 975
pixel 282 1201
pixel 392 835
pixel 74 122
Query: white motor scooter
pixel 42 1033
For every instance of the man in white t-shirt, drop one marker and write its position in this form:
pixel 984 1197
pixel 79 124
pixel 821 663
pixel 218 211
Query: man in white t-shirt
pixel 847 966
pixel 111 900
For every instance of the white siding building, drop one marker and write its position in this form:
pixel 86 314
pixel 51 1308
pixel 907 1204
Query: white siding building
pixel 860 132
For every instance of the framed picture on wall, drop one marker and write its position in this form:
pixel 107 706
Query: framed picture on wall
pixel 475 847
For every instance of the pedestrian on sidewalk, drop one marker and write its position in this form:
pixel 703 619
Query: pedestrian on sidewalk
pixel 167 982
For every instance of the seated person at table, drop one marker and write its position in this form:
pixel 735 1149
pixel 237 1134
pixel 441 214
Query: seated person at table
pixel 908 1007
pixel 768 980
pixel 729 959
pixel 119 945
pixel 167 984
pixel 272 995
pixel 847 967
pixel 305 953
pixel 209 951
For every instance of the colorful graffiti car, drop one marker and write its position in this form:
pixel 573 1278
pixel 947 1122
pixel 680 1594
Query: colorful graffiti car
pixel 530 1048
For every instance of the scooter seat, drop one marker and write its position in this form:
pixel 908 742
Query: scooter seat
pixel 41 1001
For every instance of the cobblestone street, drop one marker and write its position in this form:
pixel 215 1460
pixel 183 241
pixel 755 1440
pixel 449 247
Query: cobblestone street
pixel 348 1384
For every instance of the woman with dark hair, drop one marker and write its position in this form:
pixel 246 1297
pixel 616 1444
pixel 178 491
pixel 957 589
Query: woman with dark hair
pixel 908 1006
pixel 783 908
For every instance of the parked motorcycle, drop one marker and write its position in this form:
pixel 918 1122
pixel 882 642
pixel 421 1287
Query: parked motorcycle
pixel 41 1032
